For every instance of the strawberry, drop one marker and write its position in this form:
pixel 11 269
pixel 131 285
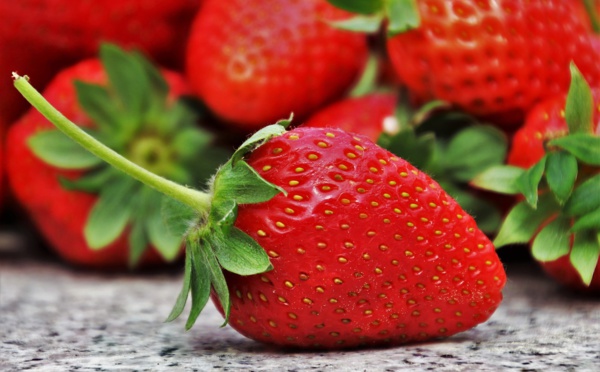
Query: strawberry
pixel 385 255
pixel 554 162
pixel 84 209
pixel 44 36
pixel 253 62
pixel 490 59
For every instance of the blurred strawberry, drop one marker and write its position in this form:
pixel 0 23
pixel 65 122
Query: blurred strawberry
pixel 254 62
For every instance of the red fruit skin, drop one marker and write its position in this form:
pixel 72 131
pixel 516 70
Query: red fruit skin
pixel 363 115
pixel 494 59
pixel 255 62
pixel 59 214
pixel 41 37
pixel 349 270
pixel 544 122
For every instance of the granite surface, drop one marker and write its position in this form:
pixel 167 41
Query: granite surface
pixel 56 318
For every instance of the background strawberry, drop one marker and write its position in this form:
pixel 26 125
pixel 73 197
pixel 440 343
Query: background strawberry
pixel 90 214
pixel 559 149
pixel 254 62
pixel 41 37
pixel 490 59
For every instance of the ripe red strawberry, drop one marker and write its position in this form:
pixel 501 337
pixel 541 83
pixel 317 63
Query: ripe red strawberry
pixel 253 62
pixel 554 162
pixel 322 239
pixel 41 37
pixel 69 195
pixel 363 115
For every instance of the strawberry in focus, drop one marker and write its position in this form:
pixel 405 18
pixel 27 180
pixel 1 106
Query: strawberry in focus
pixel 44 36
pixel 253 62
pixel 85 210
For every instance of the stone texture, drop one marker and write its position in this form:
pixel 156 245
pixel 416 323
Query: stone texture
pixel 56 318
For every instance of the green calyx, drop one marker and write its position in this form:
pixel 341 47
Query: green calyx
pixel 204 220
pixel 398 15
pixel 561 210
pixel 453 148
pixel 134 116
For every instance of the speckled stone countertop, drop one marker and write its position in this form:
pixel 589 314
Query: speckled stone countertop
pixel 55 318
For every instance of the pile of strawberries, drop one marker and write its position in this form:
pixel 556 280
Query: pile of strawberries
pixel 421 132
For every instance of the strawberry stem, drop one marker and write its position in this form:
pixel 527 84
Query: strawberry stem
pixel 198 200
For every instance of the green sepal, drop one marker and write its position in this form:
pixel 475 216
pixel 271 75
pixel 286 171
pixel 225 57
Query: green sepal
pixel 92 181
pixel 166 243
pixel 523 221
pixel 188 274
pixel 178 218
pixel 359 6
pixel 585 198
pixel 588 221
pixel 200 284
pixel 585 253
pixel 561 174
pixel 584 146
pixel 529 181
pixel 98 104
pixel 368 24
pixel 499 178
pixel 553 241
pixel 402 16
pixel 416 149
pixel 239 253
pixel 217 279
pixel 110 214
pixel 138 242
pixel 579 108
pixel 56 149
pixel 159 89
pixel 473 150
pixel 259 137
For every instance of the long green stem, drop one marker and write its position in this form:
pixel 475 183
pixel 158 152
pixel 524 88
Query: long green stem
pixel 194 198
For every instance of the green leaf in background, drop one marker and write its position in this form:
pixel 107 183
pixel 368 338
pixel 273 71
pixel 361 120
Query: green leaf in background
pixel 585 146
pixel 179 305
pixel 56 149
pixel 92 181
pixel 499 178
pixel 109 216
pixel 579 109
pixel 138 242
pixel 561 174
pixel 239 253
pixel 523 221
pixel 368 24
pixel 585 253
pixel 529 182
pixel 553 241
pixel 589 221
pixel 488 217
pixel 417 150
pixel 160 236
pixel 359 6
pixel 98 104
pixel 585 198
pixel 473 150
pixel 402 16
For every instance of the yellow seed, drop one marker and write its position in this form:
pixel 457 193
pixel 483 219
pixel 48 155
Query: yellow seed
pixel 345 201
pixel 319 227
pixel 419 189
pixel 420 238
pixel 297 198
pixel 369 180
pixel 410 224
pixel 344 226
pixel 392 183
pixel 312 157
pixel 432 205
pixel 273 254
pixel 386 195
pixel 328 212
pixel 265 279
pixel 378 271
pixel 371 233
pixel 322 144
pixel 320 289
pixel 289 211
pixel 342 260
pixel 266 168
pixel 294 137
pixel 322 245
pixel 368 312
pixel 299 170
pixel 280 224
pixel 301 250
pixel 307 301
pixel 413 206
pixel 386 220
pixel 408 253
pixel 383 247
pixel 263 297
pixel 351 155
pixel 374 204
pixel 343 167
pixel 277 150
pixel 405 194
pixel 359 148
pixel 338 281
pixel 325 188
pixel 363 215
pixel 398 237
pixel 261 233
pixel 330 135
pixel 289 284
pixel 293 183
pixel 403 174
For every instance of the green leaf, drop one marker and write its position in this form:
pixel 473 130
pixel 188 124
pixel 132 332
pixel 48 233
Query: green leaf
pixel 368 24
pixel 417 150
pixel 523 221
pixel 585 146
pixel 92 181
pixel 109 216
pixel 553 241
pixel 178 218
pixel 56 149
pixel 128 81
pixel 260 137
pixel 486 215
pixel 402 16
pixel 200 287
pixel 589 221
pixel 189 142
pixel 238 253
pixel 473 150
pixel 98 105
pixel 585 198
pixel 529 181
pixel 217 279
pixel 223 214
pixel 179 305
pixel 159 89
pixel 561 174
pixel 359 6
pixel 500 178
pixel 584 254
pixel 138 242
pixel 240 182
pixel 579 109
pixel 167 244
